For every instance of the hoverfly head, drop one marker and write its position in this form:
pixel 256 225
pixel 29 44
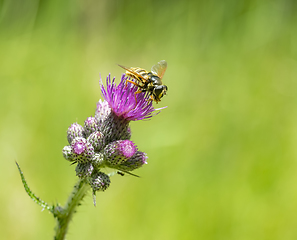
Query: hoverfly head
pixel 159 92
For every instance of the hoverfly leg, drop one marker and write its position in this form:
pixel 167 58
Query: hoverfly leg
pixel 151 98
pixel 139 91
pixel 130 81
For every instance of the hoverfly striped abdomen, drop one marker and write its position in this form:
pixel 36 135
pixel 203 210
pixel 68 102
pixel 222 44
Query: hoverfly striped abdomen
pixel 138 74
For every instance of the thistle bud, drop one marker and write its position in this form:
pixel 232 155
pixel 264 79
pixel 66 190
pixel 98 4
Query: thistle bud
pixel 136 161
pixel 75 130
pixel 84 170
pixel 118 152
pixel 82 150
pixel 67 153
pixel 98 160
pixel 97 140
pixel 102 111
pixel 90 126
pixel 99 181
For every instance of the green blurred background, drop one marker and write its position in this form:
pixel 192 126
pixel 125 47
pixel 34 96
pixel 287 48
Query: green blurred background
pixel 222 156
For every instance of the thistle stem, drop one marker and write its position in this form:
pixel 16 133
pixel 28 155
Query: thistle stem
pixel 64 215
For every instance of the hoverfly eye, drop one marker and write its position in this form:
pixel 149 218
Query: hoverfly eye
pixel 165 89
pixel 159 91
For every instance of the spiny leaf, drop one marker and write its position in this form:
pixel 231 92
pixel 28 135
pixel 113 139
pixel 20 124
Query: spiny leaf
pixel 36 199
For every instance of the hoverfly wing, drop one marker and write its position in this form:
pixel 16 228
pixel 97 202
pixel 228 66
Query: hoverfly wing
pixel 123 67
pixel 160 68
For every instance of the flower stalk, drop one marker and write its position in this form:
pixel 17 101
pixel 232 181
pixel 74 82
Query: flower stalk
pixel 64 215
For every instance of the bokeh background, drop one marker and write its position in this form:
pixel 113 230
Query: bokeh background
pixel 222 156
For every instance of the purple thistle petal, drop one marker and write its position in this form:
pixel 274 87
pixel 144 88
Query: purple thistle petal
pixel 121 99
pixel 127 148
pixel 79 147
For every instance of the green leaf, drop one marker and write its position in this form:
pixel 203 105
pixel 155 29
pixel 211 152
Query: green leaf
pixel 36 199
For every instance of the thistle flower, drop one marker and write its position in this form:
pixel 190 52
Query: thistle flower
pixel 104 140
pixel 124 102
pixel 125 106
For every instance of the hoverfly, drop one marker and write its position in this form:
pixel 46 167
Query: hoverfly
pixel 150 82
